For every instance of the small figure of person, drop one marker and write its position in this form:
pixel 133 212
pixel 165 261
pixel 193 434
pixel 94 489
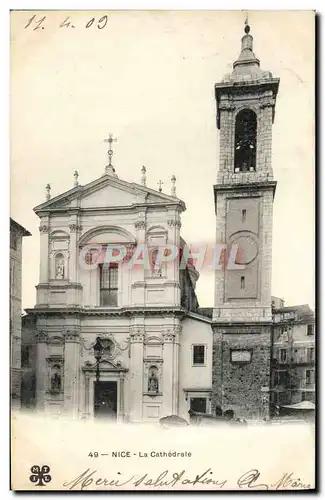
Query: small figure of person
pixel 59 271
pixel 56 382
pixel 218 412
pixel 153 382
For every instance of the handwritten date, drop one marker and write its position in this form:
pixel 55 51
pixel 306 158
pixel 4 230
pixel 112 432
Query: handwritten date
pixel 37 24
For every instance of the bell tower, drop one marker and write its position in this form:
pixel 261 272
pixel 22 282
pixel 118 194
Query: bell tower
pixel 244 195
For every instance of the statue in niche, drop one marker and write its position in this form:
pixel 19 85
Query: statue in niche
pixel 153 385
pixel 56 379
pixel 59 267
pixel 155 264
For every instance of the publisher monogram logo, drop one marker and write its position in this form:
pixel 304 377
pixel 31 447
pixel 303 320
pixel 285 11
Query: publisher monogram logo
pixel 40 475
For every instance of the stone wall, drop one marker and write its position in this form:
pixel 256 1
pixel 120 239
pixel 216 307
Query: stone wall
pixel 243 387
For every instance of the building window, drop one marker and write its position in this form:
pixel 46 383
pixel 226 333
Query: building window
pixel 198 404
pixel 281 377
pixel 13 240
pixel 108 285
pixel 25 352
pixel 308 396
pixel 283 355
pixel 310 377
pixel 242 282
pixel 310 354
pixel 243 215
pixel 245 141
pixel 310 330
pixel 198 354
pixel 282 398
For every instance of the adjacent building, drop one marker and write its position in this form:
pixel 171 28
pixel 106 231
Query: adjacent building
pixel 293 354
pixel 17 232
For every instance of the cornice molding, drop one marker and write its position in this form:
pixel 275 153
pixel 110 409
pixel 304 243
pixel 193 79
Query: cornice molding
pixel 44 311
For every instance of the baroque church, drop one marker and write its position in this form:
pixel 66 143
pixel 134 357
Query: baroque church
pixel 126 338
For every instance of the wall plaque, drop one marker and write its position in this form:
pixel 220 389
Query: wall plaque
pixel 241 356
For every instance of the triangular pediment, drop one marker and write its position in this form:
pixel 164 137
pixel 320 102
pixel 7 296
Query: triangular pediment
pixel 106 192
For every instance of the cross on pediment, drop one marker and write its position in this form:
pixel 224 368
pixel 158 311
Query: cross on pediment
pixel 110 152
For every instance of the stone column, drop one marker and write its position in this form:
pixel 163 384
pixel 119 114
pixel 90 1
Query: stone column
pixel 41 369
pixel 71 372
pixel 169 374
pixel 136 376
pixel 44 250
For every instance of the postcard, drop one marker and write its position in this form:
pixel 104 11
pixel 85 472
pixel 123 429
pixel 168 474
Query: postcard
pixel 162 324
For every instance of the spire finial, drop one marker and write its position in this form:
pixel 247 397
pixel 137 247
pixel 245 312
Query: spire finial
pixel 143 176
pixel 159 185
pixel 247 59
pixel 109 169
pixel 247 27
pixel 48 192
pixel 75 175
pixel 173 189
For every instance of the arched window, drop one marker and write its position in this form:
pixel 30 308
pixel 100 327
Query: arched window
pixel 59 266
pixel 56 378
pixel 153 382
pixel 245 141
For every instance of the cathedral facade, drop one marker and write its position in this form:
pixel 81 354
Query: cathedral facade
pixel 117 326
pixel 101 286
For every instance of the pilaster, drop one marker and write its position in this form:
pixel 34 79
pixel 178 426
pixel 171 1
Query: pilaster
pixel 169 397
pixel 174 225
pixel 136 378
pixel 122 411
pixel 74 292
pixel 44 230
pixel 71 372
pixel 75 229
pixel 41 368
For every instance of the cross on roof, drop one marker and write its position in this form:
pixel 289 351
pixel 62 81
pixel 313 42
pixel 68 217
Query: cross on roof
pixel 110 152
pixel 160 184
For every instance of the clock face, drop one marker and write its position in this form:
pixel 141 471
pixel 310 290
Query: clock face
pixel 247 249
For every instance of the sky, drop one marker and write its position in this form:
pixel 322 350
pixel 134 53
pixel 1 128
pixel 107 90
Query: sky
pixel 148 77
